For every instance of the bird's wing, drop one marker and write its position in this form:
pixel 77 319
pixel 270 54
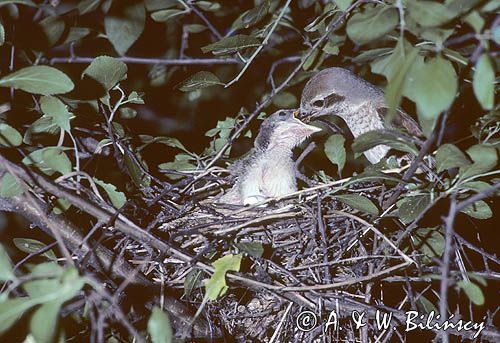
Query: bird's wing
pixel 402 120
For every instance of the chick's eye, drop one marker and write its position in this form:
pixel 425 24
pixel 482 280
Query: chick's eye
pixel 282 115
pixel 318 103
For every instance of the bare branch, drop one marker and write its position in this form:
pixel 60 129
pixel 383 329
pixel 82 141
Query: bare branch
pixel 159 61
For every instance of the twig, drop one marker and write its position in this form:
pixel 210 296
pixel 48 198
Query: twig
pixel 210 26
pixel 278 328
pixel 445 267
pixel 159 61
pixel 33 201
pixel 275 64
pixel 261 46
pixel 479 196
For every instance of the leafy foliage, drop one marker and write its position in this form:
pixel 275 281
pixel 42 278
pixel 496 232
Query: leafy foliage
pixel 93 92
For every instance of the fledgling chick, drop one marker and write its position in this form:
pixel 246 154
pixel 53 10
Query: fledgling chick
pixel 340 92
pixel 269 170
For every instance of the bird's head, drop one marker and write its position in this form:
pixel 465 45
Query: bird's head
pixel 332 91
pixel 283 130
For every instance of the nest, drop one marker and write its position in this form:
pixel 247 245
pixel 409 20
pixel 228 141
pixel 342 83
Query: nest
pixel 308 249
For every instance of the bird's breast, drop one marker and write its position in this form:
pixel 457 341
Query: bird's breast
pixel 278 177
pixel 363 119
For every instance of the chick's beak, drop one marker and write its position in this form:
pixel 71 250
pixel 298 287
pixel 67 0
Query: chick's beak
pixel 305 129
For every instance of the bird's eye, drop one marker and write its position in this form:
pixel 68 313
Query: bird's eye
pixel 318 103
pixel 283 115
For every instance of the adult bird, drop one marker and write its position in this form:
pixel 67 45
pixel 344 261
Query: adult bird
pixel 340 92
pixel 269 170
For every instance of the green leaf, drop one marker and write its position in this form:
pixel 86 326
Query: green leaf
pixel 75 34
pixel 108 71
pixel 43 322
pixel 335 151
pixel 164 15
pixel 425 305
pixel 61 205
pixel 192 281
pixel 6 272
pixel 473 291
pixel 53 283
pixel 370 55
pixel 38 80
pixel 254 249
pixel 476 186
pixel 53 28
pixel 210 6
pixel 411 206
pixel 228 45
pixel 331 48
pixel 9 136
pixel 358 202
pixel 475 21
pixel 168 141
pixel 86 6
pixel 319 22
pixel 55 109
pixel 216 286
pixel 371 139
pixel 57 160
pixel 37 158
pixel 284 100
pixel 310 60
pixel 397 80
pixel 180 166
pixel 19 2
pixel 388 65
pixel 483 82
pixel 374 176
pixel 124 24
pixel 195 28
pixel 42 124
pixel 372 24
pixel 201 79
pixel 159 326
pixel 252 17
pixel 462 6
pixel 47 283
pixel 343 4
pixel 127 113
pixel 431 85
pixel 478 210
pixel 29 246
pixel 428 13
pixel 449 156
pixel 9 187
pixel 155 5
pixel 496 34
pixel 11 310
pixel 135 98
pixel 430 242
pixel 138 176
pixel 484 159
pixel 436 35
pixel 118 199
pixel 479 279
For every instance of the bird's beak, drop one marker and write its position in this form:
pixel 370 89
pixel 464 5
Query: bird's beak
pixel 308 116
pixel 307 129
